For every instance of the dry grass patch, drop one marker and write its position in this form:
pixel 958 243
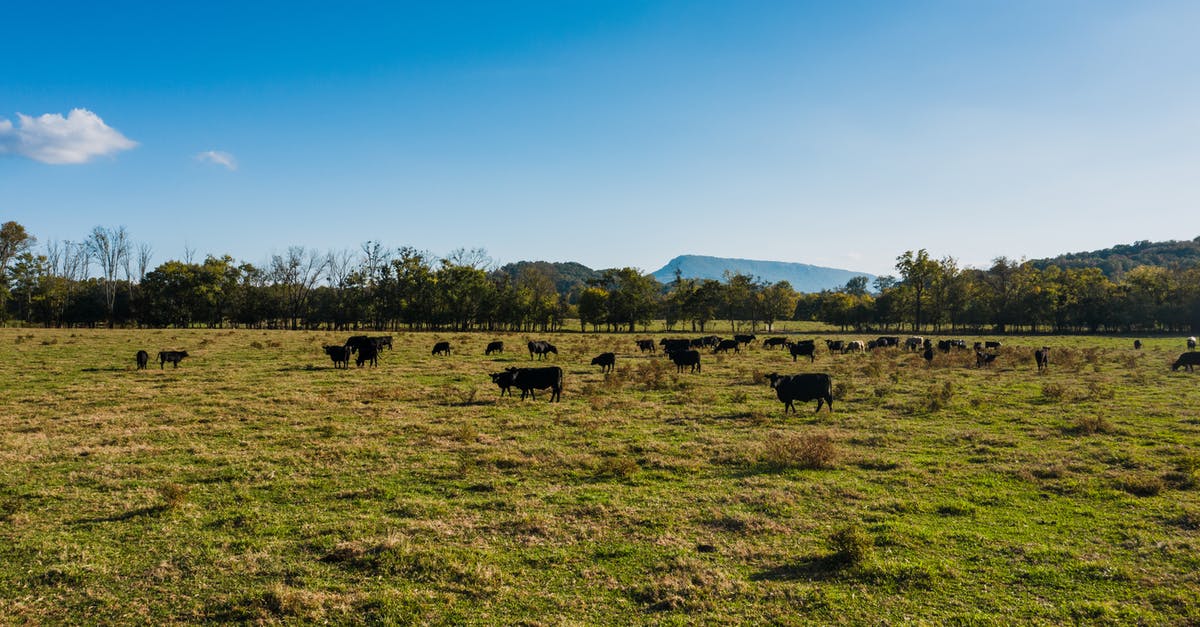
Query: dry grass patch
pixel 805 451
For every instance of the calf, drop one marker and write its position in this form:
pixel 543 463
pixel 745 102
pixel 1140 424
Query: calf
pixel 803 388
pixel 540 349
pixel 689 358
pixel 143 359
pixel 805 347
pixel 645 345
pixel 1042 357
pixel 1187 360
pixel 529 379
pixel 1137 345
pixel 494 347
pixel 504 380
pixel 172 356
pixel 606 361
pixel 441 348
pixel 339 354
pixel 772 342
pixel 725 345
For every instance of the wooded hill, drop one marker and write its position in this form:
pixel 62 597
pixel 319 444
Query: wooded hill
pixel 1114 262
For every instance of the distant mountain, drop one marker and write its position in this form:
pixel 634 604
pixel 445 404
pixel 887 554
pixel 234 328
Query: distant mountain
pixel 1116 261
pixel 802 276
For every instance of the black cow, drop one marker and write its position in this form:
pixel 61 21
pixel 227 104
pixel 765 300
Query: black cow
pixel 505 380
pixel 674 345
pixel 494 347
pixel 172 356
pixel 803 388
pixel 1137 345
pixel 725 345
pixel 529 379
pixel 887 341
pixel 958 344
pixel 744 339
pixel 927 354
pixel 540 349
pixel 441 348
pixel 835 345
pixel 1042 357
pixel 944 345
pixel 645 345
pixel 772 342
pixel 991 344
pixel 804 347
pixel 689 358
pixel 978 346
pixel 143 359
pixel 606 361
pixel 367 353
pixel 984 359
pixel 355 342
pixel 382 341
pixel 710 341
pixel 339 354
pixel 1187 360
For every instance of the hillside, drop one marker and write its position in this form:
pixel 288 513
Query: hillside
pixel 1119 259
pixel 803 277
pixel 567 276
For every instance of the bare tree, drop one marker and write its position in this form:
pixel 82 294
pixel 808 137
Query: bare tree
pixel 475 258
pixel 297 273
pixel 145 253
pixel 109 247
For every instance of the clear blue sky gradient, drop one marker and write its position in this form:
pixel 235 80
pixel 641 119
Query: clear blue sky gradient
pixel 617 132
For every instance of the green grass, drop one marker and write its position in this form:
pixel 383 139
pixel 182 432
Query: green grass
pixel 256 483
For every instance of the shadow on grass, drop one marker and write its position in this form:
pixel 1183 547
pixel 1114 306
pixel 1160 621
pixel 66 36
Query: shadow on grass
pixel 153 510
pixel 811 569
pixel 109 369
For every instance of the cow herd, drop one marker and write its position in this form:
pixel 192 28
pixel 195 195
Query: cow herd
pixel 174 357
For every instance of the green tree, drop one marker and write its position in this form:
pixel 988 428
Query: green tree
pixel 593 308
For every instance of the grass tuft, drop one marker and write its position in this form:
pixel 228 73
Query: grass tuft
pixel 805 451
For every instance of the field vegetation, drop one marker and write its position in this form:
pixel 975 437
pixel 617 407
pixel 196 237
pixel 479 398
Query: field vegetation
pixel 256 483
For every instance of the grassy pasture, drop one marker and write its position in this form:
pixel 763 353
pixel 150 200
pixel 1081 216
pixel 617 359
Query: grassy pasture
pixel 257 483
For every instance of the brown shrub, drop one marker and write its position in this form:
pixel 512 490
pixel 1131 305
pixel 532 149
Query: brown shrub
pixel 808 451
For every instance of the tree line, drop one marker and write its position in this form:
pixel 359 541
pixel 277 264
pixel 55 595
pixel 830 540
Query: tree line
pixel 107 279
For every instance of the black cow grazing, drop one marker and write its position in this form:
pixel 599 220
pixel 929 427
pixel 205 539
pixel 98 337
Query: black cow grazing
pixel 984 359
pixel 887 341
pixel 606 361
pixel 494 347
pixel 872 344
pixel 143 359
pixel 805 347
pixel 744 339
pixel 691 358
pixel 367 353
pixel 540 349
pixel 835 345
pixel 803 388
pixel 978 346
pixel 991 344
pixel 355 342
pixel 772 342
pixel 958 344
pixel 914 343
pixel 725 345
pixel 529 379
pixel 441 348
pixel 944 346
pixel 1042 357
pixel 382 341
pixel 339 354
pixel 710 341
pixel 1191 342
pixel 674 345
pixel 505 380
pixel 1137 345
pixel 854 346
pixel 1187 360
pixel 172 356
pixel 927 354
pixel 645 345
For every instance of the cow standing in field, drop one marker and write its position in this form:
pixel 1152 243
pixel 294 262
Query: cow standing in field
pixel 927 355
pixel 540 349
pixel 725 345
pixel 1191 342
pixel 887 341
pixel 686 358
pixel 381 341
pixel 645 346
pixel 1186 360
pixel 854 346
pixel 1137 345
pixel 992 344
pixel 914 343
pixel 143 359
pixel 835 346
pixel 529 379
pixel 803 347
pixel 671 345
pixel 367 353
pixel 606 361
pixel 441 348
pixel 504 380
pixel 1042 357
pixel 744 339
pixel 803 388
pixel 984 359
pixel 172 356
pixel 494 347
pixel 340 355
pixel 772 342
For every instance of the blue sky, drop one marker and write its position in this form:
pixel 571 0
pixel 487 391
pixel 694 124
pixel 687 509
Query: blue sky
pixel 610 133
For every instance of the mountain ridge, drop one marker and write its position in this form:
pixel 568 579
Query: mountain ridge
pixel 803 277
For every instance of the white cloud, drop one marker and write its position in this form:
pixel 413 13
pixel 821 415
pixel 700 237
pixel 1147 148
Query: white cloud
pixel 219 158
pixel 54 139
